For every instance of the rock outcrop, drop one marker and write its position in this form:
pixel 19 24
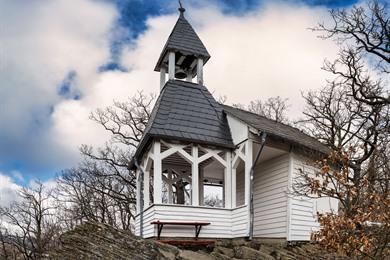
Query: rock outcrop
pixel 98 241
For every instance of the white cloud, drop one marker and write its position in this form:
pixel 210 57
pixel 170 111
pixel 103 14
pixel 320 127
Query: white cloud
pixel 265 53
pixel 8 190
pixel 268 53
pixel 40 43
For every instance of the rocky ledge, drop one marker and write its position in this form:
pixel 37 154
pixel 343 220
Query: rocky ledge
pixel 98 241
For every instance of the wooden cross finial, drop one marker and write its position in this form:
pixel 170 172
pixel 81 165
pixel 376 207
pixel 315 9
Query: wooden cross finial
pixel 181 8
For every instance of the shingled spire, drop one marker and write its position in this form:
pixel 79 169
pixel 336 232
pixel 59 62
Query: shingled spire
pixel 184 53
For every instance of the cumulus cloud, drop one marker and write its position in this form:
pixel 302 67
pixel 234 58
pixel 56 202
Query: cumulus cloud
pixel 267 53
pixel 264 53
pixel 40 44
pixel 8 190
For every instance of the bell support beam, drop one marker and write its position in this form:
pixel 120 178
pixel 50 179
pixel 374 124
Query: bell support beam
pixel 199 68
pixel 171 65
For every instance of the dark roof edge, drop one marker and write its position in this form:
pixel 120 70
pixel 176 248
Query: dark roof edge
pixel 266 118
pixel 273 134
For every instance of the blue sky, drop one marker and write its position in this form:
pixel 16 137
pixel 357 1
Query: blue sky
pixel 133 13
pixel 39 90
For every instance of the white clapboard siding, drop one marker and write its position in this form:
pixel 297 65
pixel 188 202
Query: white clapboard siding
pixel 270 198
pixel 149 216
pixel 240 221
pixel 224 223
pixel 220 220
pixel 302 211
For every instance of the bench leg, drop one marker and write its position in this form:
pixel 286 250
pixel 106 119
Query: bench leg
pixel 159 229
pixel 197 231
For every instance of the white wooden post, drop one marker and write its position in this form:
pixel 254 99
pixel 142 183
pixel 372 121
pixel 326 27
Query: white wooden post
pixel 228 180
pixel 146 188
pixel 199 68
pixel 157 173
pixel 163 72
pixel 248 166
pixel 171 65
pixel 170 191
pixel 189 77
pixel 195 176
pixel 138 192
pixel 234 188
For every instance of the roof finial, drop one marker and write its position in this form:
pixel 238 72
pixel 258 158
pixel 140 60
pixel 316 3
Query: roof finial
pixel 181 8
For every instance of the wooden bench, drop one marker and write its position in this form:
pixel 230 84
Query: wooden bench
pixel 197 224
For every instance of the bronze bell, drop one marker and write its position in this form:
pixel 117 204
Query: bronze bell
pixel 180 74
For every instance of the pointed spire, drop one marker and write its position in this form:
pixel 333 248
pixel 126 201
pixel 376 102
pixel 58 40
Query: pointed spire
pixel 186 44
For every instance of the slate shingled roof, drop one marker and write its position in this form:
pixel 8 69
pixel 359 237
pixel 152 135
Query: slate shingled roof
pixel 183 38
pixel 271 127
pixel 187 111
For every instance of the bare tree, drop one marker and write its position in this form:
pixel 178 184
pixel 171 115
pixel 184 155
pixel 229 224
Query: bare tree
pixel 353 110
pixel 93 192
pixel 274 108
pixel 222 99
pixel 30 224
pixel 213 200
pixel 103 187
pixel 363 34
pixel 356 173
pixel 362 227
pixel 126 121
pixel 351 116
pixel 338 120
pixel 4 253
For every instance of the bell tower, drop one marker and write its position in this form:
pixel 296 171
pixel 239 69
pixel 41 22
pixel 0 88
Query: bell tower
pixel 183 55
pixel 187 144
